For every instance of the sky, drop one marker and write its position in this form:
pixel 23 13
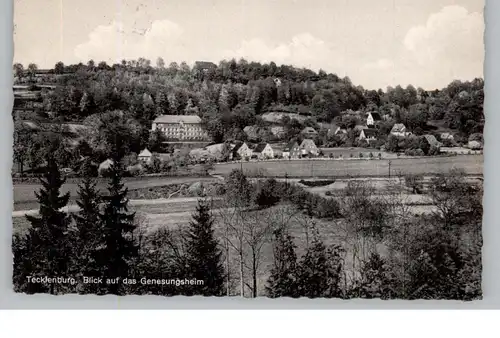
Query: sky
pixel 376 43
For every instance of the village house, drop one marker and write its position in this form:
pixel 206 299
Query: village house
pixel 180 127
pixel 291 150
pixel 278 131
pixel 309 132
pixel 368 134
pixel 372 119
pixel 446 136
pixel 399 129
pixel 252 132
pixel 308 147
pixel 340 131
pixel 240 151
pixel 433 142
pixel 263 151
pixel 475 145
pixel 204 66
pixel 145 156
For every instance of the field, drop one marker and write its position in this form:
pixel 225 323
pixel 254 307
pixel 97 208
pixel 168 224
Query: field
pixel 24 197
pixel 471 164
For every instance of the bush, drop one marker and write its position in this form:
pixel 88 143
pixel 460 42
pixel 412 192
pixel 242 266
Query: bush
pixel 318 183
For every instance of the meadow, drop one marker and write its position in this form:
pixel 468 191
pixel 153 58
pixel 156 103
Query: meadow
pixel 471 164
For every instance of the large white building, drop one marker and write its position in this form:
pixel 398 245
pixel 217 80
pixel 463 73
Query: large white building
pixel 180 127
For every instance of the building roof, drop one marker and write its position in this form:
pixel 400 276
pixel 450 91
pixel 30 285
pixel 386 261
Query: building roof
pixel 290 146
pixel 375 116
pixel 431 139
pixel 308 143
pixel 260 147
pixel 309 130
pixel 340 131
pixel 237 146
pixel 446 136
pixel 204 65
pixel 277 130
pixel 398 128
pixel 370 132
pixel 177 119
pixel 145 153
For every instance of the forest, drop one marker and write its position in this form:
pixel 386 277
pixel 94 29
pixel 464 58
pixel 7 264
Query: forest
pixel 125 97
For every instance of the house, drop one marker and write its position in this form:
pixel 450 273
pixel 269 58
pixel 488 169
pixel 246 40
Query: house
pixel 145 156
pixel 308 147
pixel 241 151
pixel 263 151
pixel 399 129
pixel 433 142
pixel 373 119
pixel 309 132
pixel 475 145
pixel 180 127
pixel 291 150
pixel 278 131
pixel 446 136
pixel 368 134
pixel 340 131
pixel 204 66
pixel 252 132
pixel 104 167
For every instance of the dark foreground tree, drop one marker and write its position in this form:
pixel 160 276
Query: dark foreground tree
pixel 88 232
pixel 46 249
pixel 320 271
pixel 283 279
pixel 204 259
pixel 118 228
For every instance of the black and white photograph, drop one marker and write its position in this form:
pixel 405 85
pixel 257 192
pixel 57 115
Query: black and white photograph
pixel 264 148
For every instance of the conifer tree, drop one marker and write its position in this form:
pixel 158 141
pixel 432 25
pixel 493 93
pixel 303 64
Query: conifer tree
pixel 283 279
pixel 320 271
pixel 118 227
pixel 47 248
pixel 204 259
pixel 89 230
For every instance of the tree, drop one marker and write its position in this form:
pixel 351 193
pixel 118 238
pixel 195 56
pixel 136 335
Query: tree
pixel 59 68
pixel 204 259
pixel 22 144
pixel 283 279
pixel 160 63
pixel 32 69
pixel 89 231
pixel 267 193
pixel 320 271
pixel 18 70
pixel 118 226
pixel 47 249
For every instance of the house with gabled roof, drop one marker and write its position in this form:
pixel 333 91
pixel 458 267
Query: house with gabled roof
pixel 308 147
pixel 309 132
pixel 145 156
pixel 263 151
pixel 372 118
pixel 240 151
pixel 399 129
pixel 368 134
pixel 291 150
pixel 433 142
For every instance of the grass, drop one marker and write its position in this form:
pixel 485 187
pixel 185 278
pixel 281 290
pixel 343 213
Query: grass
pixel 24 196
pixel 472 164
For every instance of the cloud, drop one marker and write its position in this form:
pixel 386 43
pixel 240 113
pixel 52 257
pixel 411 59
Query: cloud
pixel 451 34
pixel 448 46
pixel 116 41
pixel 303 50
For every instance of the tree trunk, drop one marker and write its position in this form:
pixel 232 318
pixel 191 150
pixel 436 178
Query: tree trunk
pixel 228 281
pixel 242 282
pixel 254 275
